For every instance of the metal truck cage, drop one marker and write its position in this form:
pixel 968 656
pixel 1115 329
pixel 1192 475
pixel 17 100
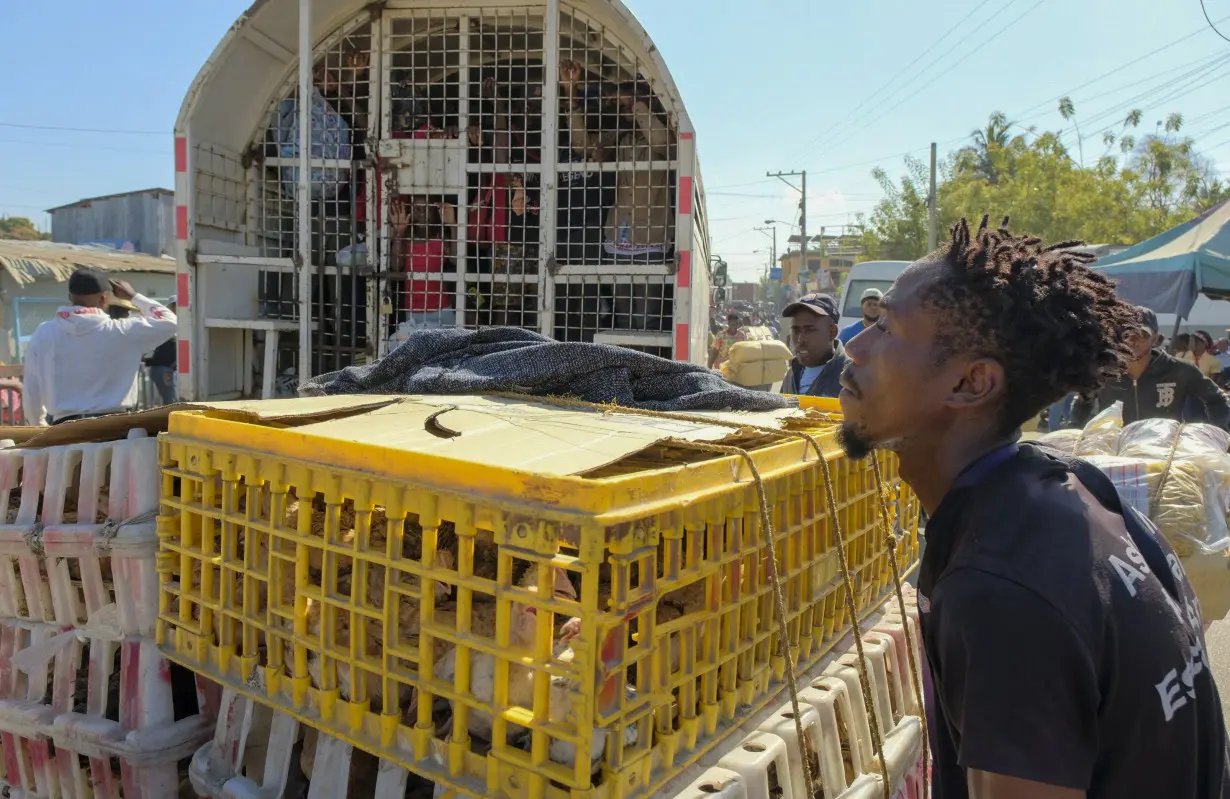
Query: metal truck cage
pixel 468 163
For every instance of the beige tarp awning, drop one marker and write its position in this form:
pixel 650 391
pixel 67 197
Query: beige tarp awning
pixel 28 261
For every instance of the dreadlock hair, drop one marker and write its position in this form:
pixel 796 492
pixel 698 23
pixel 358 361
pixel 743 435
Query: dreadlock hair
pixel 1055 325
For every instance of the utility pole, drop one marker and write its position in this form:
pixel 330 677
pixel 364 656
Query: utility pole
pixel 770 230
pixel 931 221
pixel 802 189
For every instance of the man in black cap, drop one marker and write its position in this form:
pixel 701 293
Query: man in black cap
pixel 1156 386
pixel 819 357
pixel 84 363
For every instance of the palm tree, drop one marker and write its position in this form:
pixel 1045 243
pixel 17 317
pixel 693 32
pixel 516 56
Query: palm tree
pixel 1067 110
pixel 978 158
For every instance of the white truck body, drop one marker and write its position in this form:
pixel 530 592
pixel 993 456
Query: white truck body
pixel 585 225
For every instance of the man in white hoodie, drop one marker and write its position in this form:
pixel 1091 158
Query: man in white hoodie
pixel 83 363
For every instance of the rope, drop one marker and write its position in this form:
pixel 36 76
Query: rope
pixel 111 529
pixel 34 540
pixel 863 678
pixel 851 609
pixel 905 620
pixel 1161 483
pixel 783 631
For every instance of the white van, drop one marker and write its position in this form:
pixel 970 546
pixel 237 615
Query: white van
pixel 867 275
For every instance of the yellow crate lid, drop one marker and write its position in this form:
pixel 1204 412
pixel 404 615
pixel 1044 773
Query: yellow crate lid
pixel 824 404
pixel 575 459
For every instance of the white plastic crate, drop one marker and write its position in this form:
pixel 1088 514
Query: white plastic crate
pixel 88 707
pixel 78 519
pixel 259 753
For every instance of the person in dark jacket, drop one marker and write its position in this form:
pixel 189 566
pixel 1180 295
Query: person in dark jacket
pixel 1156 385
pixel 819 357
pixel 161 363
pixel 1063 640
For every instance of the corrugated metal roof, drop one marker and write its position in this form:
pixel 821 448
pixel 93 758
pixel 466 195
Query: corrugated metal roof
pixel 28 261
pixel 154 191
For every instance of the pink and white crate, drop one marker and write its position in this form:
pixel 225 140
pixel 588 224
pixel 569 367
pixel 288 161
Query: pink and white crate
pixel 88 706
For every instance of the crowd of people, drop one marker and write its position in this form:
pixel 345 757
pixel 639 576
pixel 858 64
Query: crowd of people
pixel 85 361
pixel 1187 380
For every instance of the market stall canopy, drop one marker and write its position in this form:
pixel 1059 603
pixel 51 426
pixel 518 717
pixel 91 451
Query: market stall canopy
pixel 28 261
pixel 1167 272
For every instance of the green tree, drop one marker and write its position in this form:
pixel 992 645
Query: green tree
pixel 1067 110
pixel 897 229
pixel 990 153
pixel 1151 184
pixel 20 228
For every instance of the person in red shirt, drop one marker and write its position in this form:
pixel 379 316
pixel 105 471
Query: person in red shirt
pixel 425 239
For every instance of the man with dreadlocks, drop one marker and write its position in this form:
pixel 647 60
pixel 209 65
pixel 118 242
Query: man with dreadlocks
pixel 1065 645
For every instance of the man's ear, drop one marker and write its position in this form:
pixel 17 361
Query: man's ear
pixel 976 383
pixel 834 331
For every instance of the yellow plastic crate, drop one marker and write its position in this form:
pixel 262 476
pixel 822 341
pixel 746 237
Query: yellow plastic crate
pixel 656 560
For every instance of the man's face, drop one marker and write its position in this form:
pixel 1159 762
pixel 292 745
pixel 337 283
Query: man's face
pixel 1199 347
pixel 895 391
pixel 871 309
pixel 1140 341
pixel 813 335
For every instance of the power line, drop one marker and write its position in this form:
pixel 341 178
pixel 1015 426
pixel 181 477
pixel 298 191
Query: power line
pixel 1119 69
pixel 741 194
pixel 824 134
pixel 25 126
pixel 1211 25
pixel 1192 85
pixel 760 182
pixel 921 73
pixel 935 78
pixel 1135 84
pixel 88 147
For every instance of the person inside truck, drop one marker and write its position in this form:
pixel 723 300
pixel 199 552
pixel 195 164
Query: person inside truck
pixel 1155 385
pixel 1064 643
pixel 83 363
pixel 425 236
pixel 640 222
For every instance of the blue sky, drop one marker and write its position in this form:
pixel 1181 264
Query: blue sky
pixel 795 84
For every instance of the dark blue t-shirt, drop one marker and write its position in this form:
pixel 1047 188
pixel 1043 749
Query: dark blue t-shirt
pixel 1064 642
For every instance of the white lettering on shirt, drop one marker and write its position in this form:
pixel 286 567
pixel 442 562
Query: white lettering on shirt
pixel 1193 616
pixel 1134 554
pixel 1168 690
pixel 1165 394
pixel 1175 568
pixel 1127 573
pixel 1178 688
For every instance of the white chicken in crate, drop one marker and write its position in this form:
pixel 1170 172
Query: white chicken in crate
pixel 524 623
